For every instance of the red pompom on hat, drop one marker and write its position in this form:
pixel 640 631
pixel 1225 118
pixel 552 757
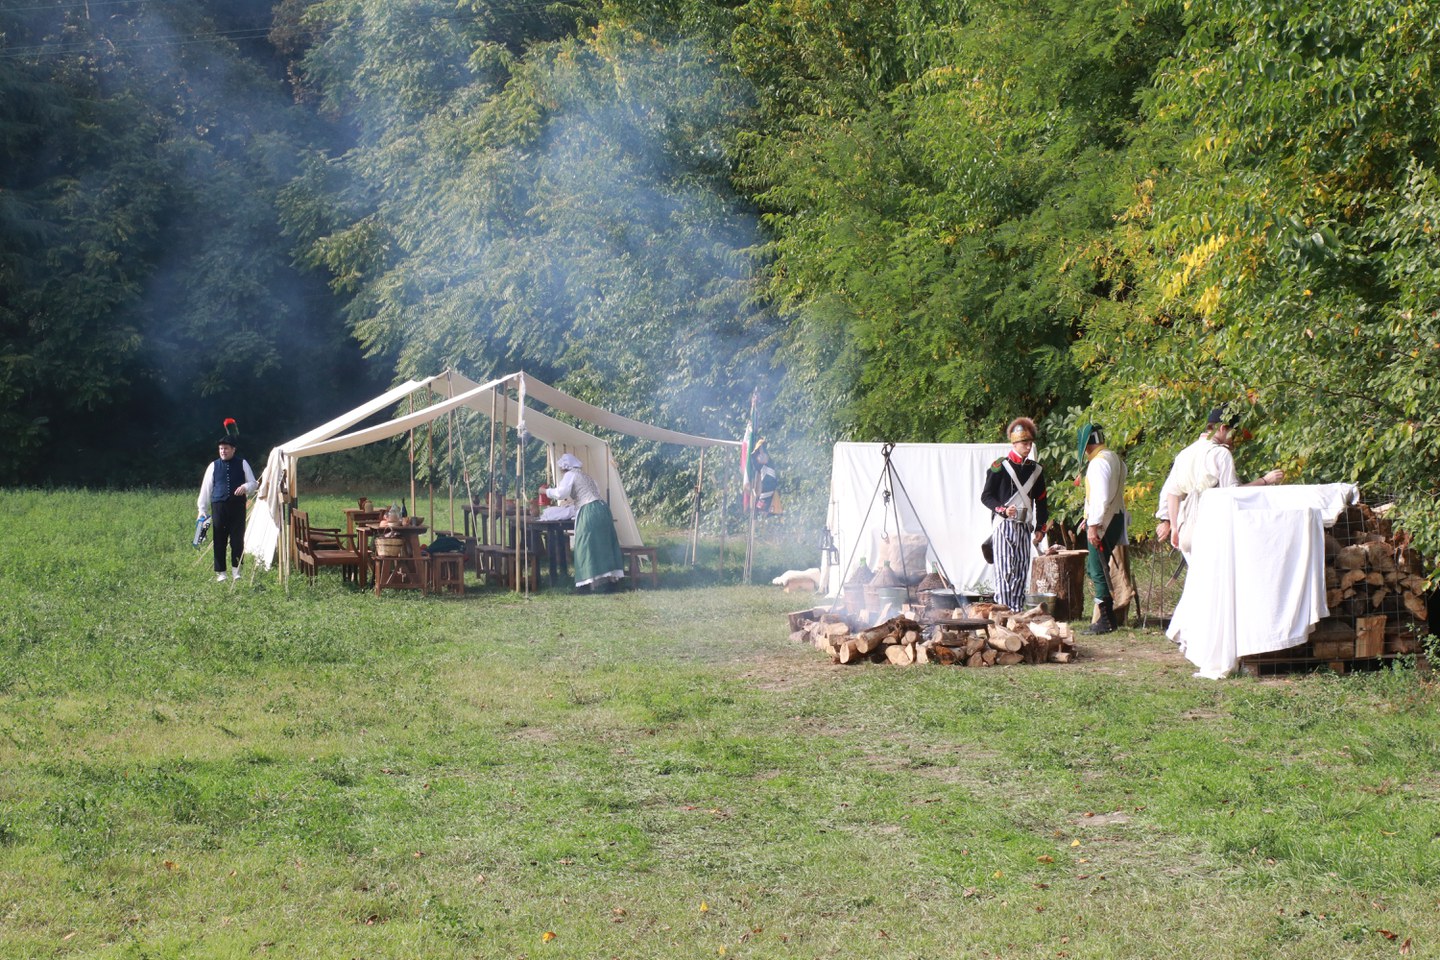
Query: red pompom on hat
pixel 232 433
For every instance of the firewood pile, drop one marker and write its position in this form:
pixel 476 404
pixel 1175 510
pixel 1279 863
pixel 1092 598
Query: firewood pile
pixel 1375 588
pixel 1032 636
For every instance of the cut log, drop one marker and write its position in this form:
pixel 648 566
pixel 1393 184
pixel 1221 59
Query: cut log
pixel 871 639
pixel 1042 630
pixel 948 656
pixel 1377 597
pixel 1416 606
pixel 799 636
pixel 1009 659
pixel 1350 578
pixel 900 654
pixel 1063 574
pixel 1004 640
pixel 847 652
pixel 910 637
pixel 1330 629
pixel 1369 636
pixel 1333 598
pixel 1332 649
pixel 1038 650
pixel 1061 656
pixel 1375 578
pixel 1381 555
pixel 975 660
pixel 1332 578
pixel 840 629
pixel 1353 557
pixel 988 657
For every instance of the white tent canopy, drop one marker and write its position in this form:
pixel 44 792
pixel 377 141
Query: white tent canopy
pixel 941 484
pixel 277 483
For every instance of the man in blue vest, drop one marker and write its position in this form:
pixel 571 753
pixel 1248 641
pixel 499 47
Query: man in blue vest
pixel 223 492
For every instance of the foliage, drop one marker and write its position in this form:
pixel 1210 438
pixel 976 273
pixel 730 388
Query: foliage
pixel 557 201
pixel 144 291
pixel 1289 214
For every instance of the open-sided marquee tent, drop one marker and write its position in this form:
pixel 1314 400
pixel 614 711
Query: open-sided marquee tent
pixel 278 483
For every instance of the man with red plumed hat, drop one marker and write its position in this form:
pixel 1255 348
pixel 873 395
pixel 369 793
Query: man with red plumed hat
pixel 228 481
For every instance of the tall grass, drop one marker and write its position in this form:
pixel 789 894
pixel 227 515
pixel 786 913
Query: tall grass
pixel 205 770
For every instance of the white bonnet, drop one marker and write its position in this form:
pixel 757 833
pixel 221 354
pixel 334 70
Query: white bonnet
pixel 568 461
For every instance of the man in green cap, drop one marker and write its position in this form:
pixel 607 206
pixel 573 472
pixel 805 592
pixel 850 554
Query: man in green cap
pixel 1104 518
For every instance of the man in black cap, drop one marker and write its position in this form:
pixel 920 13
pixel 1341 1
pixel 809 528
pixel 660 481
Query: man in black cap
pixel 228 481
pixel 1206 463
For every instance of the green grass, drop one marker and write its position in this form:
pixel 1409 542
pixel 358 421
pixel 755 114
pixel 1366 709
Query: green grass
pixel 198 770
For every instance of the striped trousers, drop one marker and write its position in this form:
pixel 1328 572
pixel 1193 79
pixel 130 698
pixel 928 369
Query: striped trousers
pixel 1012 562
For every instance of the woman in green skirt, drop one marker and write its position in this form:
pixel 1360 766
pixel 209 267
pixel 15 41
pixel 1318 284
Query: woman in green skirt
pixel 598 559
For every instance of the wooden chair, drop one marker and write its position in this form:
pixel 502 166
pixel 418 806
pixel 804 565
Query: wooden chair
pixel 633 556
pixel 317 547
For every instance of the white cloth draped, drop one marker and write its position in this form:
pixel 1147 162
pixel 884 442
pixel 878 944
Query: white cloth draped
pixel 1257 572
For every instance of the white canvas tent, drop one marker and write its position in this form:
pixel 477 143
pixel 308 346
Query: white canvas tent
pixel 278 482
pixel 940 497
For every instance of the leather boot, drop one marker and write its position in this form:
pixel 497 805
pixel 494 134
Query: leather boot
pixel 1106 623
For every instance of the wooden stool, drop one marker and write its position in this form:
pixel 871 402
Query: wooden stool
pixel 401 573
pixel 447 573
pixel 633 556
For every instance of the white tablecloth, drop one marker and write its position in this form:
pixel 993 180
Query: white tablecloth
pixel 1257 572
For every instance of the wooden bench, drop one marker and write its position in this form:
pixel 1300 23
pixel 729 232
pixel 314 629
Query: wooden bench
pixel 498 565
pixel 633 556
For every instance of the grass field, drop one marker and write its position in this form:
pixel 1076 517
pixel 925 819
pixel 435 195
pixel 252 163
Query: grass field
pixel 202 770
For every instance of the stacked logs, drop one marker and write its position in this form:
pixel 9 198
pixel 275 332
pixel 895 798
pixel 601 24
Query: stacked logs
pixel 1375 587
pixel 1029 637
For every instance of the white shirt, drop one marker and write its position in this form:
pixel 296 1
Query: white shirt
pixel 206 482
pixel 576 485
pixel 1104 488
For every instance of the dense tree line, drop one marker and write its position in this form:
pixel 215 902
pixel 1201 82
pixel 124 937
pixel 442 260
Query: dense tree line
pixel 898 219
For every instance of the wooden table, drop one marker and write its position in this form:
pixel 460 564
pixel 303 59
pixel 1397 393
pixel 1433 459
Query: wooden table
pixel 354 515
pixel 394 573
pixel 555 537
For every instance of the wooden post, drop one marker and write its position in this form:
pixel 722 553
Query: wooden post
pixel 724 524
pixel 520 545
pixel 695 523
pixel 412 451
pixel 750 538
pixel 490 475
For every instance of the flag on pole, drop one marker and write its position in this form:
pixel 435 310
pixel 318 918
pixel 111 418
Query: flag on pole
pixel 745 449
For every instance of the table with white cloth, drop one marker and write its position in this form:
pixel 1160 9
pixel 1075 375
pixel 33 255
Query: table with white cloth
pixel 1256 582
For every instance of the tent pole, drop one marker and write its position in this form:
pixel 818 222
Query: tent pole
pixel 504 438
pixel 430 472
pixel 695 522
pixel 750 540
pixel 520 577
pixel 412 451
pixel 724 523
pixel 490 474
pixel 450 457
